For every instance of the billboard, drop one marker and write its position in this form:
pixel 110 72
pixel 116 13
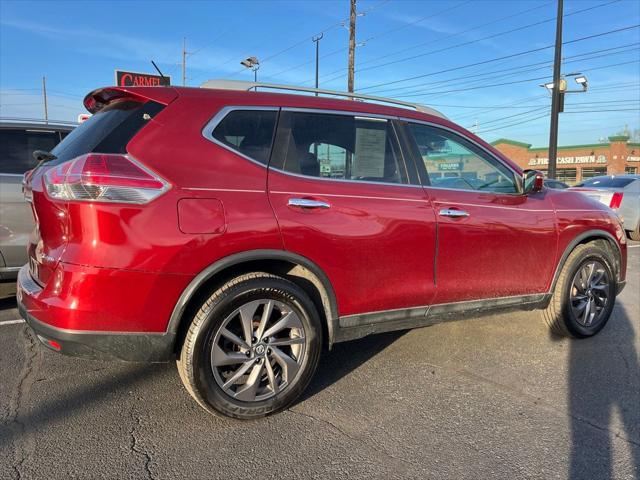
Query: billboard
pixel 136 79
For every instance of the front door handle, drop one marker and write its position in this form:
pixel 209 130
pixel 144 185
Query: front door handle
pixel 450 212
pixel 307 203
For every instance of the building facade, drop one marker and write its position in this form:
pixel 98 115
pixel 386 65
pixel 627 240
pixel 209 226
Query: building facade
pixel 577 162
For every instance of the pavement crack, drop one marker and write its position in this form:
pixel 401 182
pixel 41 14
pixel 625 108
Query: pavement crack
pixel 23 444
pixel 135 446
pixel 413 466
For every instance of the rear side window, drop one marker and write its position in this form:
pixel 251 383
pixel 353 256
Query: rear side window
pixel 17 146
pixel 249 132
pixel 607 182
pixel 108 131
pixel 335 146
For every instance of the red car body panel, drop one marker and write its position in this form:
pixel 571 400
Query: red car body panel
pixel 108 267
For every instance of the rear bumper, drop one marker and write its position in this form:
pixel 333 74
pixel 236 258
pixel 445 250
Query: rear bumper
pixel 128 346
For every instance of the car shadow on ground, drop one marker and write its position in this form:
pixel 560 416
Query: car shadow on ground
pixel 603 370
pixel 345 358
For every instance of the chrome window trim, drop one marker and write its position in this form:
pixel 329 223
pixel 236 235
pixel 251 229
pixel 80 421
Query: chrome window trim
pixel 361 115
pixel 481 147
pixel 207 130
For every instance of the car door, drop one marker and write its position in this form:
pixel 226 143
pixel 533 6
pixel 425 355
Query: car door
pixel 16 219
pixel 493 242
pixel 344 198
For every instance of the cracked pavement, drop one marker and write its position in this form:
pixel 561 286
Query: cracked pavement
pixel 492 397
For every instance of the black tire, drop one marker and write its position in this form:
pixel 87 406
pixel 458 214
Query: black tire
pixel 635 234
pixel 559 315
pixel 205 380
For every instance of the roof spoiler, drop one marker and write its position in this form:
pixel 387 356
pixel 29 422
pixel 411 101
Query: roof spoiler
pixel 101 97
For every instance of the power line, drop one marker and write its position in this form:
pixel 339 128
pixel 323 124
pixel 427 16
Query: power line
pixel 517 69
pixel 371 38
pixel 498 34
pixel 437 40
pixel 513 55
pixel 478 87
pixel 502 127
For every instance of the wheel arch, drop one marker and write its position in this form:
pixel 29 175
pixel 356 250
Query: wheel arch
pixel 606 238
pixel 296 268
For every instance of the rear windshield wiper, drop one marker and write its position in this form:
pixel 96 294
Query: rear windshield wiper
pixel 42 156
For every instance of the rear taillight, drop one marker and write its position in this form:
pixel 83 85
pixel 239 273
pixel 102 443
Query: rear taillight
pixel 104 177
pixel 616 200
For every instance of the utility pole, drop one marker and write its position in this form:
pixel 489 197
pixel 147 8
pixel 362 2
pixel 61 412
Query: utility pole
pixel 184 61
pixel 352 44
pixel 316 40
pixel 556 96
pixel 44 97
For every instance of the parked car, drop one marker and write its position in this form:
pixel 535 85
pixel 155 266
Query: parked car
pixel 18 140
pixel 551 183
pixel 243 232
pixel 619 192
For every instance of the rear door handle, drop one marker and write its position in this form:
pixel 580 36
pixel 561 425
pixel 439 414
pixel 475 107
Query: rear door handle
pixel 307 203
pixel 450 212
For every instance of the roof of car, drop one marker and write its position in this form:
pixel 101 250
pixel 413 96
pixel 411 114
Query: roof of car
pixel 35 124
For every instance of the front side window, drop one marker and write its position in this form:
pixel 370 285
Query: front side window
pixel 249 132
pixel 338 146
pixel 452 162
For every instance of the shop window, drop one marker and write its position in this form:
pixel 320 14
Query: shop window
pixel 566 175
pixel 632 170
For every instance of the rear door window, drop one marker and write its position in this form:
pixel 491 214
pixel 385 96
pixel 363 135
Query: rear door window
pixel 18 144
pixel 108 131
pixel 336 146
pixel 249 132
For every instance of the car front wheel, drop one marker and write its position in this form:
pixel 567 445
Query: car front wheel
pixel 252 347
pixel 584 294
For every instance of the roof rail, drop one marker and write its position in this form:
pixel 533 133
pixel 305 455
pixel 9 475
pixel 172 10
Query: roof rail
pixel 242 85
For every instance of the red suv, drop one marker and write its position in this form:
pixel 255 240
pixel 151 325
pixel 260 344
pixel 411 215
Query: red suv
pixel 243 232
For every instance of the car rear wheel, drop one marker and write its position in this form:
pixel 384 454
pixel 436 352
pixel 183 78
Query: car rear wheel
pixel 252 347
pixel 635 234
pixel 584 294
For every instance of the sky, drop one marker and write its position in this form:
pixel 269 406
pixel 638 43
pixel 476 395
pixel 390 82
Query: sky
pixel 480 62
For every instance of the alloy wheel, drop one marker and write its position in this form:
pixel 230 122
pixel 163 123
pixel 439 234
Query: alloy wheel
pixel 258 350
pixel 589 295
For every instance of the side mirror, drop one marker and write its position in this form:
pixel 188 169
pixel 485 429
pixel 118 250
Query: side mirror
pixel 532 181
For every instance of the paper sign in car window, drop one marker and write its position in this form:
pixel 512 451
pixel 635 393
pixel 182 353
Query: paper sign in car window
pixel 369 155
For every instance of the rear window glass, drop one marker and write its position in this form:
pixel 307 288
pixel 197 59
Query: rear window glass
pixel 108 131
pixel 607 182
pixel 249 132
pixel 18 144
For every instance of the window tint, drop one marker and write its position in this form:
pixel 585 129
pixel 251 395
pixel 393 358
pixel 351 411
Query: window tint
pixel 17 146
pixel 452 162
pixel 250 132
pixel 338 146
pixel 606 182
pixel 107 131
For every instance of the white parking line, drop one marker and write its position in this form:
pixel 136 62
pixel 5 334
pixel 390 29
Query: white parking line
pixel 11 322
pixel 633 246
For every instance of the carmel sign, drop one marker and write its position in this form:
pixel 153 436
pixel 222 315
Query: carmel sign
pixel 134 79
pixel 570 160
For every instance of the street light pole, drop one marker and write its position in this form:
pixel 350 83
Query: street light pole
pixel 316 40
pixel 556 96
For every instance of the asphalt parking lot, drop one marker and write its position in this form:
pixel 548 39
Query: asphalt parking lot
pixel 492 397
